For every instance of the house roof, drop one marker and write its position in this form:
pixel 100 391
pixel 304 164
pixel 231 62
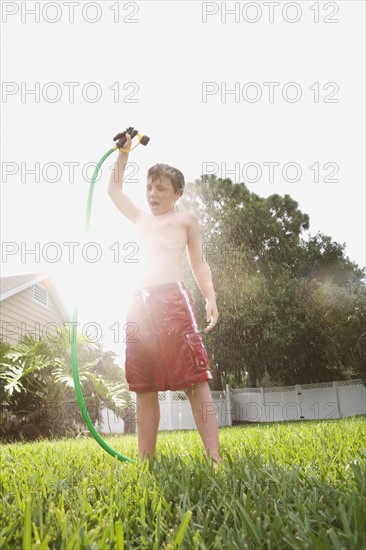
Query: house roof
pixel 17 283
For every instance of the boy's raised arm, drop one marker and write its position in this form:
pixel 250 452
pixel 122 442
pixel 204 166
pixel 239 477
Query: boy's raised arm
pixel 115 187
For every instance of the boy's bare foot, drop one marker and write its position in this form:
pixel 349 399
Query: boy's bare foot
pixel 214 459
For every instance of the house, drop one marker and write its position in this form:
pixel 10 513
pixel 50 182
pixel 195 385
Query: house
pixel 31 304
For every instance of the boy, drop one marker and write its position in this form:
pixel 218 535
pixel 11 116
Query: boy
pixel 166 351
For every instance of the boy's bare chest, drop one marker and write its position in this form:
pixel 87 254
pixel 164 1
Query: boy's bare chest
pixel 162 233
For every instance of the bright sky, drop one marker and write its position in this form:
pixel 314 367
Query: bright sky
pixel 271 94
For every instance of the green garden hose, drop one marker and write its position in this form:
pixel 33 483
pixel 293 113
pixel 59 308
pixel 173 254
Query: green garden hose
pixel 74 356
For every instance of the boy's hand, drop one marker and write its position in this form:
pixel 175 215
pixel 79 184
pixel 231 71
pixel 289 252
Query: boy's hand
pixel 127 146
pixel 125 139
pixel 212 315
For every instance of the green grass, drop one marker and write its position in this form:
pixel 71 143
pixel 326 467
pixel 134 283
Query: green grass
pixel 290 485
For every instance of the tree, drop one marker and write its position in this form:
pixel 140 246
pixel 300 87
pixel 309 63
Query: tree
pixel 292 309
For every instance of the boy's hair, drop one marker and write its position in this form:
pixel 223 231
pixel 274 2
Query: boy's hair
pixel 175 176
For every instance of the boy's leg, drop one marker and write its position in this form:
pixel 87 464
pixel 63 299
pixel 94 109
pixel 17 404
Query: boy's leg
pixel 148 417
pixel 203 409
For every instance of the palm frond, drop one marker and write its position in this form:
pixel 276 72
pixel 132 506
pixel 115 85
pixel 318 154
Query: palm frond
pixel 113 394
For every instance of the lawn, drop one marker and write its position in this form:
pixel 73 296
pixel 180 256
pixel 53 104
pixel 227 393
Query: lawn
pixel 281 485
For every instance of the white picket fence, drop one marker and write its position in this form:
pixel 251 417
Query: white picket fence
pixel 300 402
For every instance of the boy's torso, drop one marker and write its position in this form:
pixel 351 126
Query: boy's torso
pixel 162 241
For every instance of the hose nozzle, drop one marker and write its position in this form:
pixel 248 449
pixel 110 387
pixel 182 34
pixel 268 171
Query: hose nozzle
pixel 121 138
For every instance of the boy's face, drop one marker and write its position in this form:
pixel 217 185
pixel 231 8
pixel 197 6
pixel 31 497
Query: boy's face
pixel 161 195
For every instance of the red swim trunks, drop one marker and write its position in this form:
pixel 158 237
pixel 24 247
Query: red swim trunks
pixel 164 348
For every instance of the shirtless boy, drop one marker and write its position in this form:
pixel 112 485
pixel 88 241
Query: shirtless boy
pixel 167 351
